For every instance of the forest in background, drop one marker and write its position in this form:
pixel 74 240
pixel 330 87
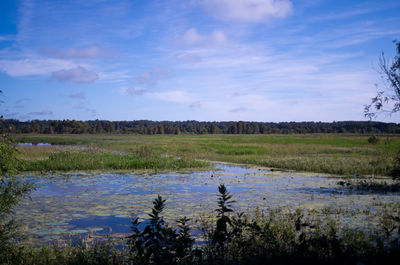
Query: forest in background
pixel 147 127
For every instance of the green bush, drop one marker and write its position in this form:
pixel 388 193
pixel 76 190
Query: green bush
pixel 373 139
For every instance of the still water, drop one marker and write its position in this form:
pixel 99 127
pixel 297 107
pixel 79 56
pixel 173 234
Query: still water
pixel 99 205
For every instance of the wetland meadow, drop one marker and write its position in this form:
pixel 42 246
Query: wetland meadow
pixel 318 197
pixel 205 132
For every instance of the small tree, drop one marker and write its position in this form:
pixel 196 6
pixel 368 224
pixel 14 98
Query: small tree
pixel 387 100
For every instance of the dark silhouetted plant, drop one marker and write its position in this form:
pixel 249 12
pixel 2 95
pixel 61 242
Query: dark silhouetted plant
pixel 157 243
pixel 221 234
pixel 184 243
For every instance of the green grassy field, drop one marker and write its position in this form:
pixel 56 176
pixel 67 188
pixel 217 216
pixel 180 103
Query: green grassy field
pixel 324 153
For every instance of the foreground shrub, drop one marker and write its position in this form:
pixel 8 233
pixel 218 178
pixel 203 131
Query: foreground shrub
pixel 274 237
pixel 157 243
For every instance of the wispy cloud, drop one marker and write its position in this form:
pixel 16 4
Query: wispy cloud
pixel 26 10
pixel 348 35
pixel 7 37
pixel 187 57
pixel 75 75
pixel 79 95
pixel 20 103
pixel 133 91
pixel 192 38
pixel 177 96
pixel 151 78
pixel 240 109
pixel 41 113
pixel 356 10
pixel 32 66
pixel 196 104
pixel 23 100
pixel 167 56
pixel 248 10
pixel 90 52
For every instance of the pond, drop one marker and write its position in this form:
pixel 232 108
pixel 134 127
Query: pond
pixel 68 206
pixel 34 144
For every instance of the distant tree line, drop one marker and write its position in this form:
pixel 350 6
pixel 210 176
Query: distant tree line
pixel 147 127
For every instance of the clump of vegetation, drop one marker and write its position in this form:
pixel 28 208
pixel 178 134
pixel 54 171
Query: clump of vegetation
pixel 370 185
pixel 103 160
pixel 157 243
pixel 373 139
pixel 99 253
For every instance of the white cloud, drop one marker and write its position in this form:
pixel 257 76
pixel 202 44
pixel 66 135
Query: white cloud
pixel 75 75
pixel 192 38
pixel 133 91
pixel 248 10
pixel 32 66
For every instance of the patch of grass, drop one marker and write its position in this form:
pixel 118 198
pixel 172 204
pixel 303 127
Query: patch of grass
pixel 323 153
pixel 101 160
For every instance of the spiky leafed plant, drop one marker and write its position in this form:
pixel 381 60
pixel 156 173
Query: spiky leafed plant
pixel 153 243
pixel 157 243
pixel 184 242
pixel 221 233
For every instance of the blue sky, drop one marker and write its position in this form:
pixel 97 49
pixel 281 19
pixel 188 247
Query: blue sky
pixel 208 60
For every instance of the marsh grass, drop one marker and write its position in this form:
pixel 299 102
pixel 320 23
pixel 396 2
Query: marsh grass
pixel 104 160
pixel 322 153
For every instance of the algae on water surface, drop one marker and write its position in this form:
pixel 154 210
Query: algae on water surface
pixel 101 204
